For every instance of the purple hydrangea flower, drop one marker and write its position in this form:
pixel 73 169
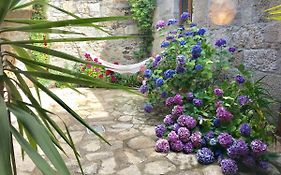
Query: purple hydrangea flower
pixel 169 73
pixel 178 99
pixel 258 147
pixel 168 120
pixel 162 146
pixel 225 140
pixel 223 114
pixel 165 44
pixel 173 136
pixel 188 148
pixel 197 102
pixel 198 67
pixel 228 167
pixel 176 146
pixel 160 130
pixel 187 121
pixel 232 49
pixel 240 79
pixel 201 31
pixel 177 110
pixel 205 156
pixel 148 107
pixel 143 89
pixel 164 94
pixel 158 58
pixel 218 92
pixel 181 60
pixel 172 32
pixel 172 22
pixel 264 165
pixel 196 139
pixel 243 100
pixel 239 148
pixel 189 96
pixel 196 51
pixel 176 127
pixel 245 129
pixel 160 24
pixel 180 69
pixel 220 42
pixel 249 161
pixel 147 73
pixel 169 101
pixel 185 16
pixel 159 82
pixel 183 134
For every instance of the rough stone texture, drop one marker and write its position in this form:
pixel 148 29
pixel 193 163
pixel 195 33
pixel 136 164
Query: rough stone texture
pixel 115 50
pixel 258 40
pixel 132 151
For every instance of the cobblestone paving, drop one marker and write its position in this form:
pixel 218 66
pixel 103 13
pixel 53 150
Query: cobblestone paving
pixel 119 117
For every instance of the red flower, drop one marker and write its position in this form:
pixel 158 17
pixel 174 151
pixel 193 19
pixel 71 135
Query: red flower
pixel 108 72
pixel 87 55
pixel 113 79
pixel 100 75
pixel 116 63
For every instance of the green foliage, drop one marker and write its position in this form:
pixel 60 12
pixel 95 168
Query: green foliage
pixel 143 12
pixel 36 128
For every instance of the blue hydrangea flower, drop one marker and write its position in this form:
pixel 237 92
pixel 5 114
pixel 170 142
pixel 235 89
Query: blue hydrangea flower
pixel 220 42
pixel 216 122
pixel 148 107
pixel 164 94
pixel 147 73
pixel 160 130
pixel 205 156
pixel 192 25
pixel 172 21
pixel 183 42
pixel 165 44
pixel 213 142
pixel 201 31
pixel 181 28
pixel 180 69
pixel 245 129
pixel 198 67
pixel 159 82
pixel 240 79
pixel 169 73
pixel 185 16
pixel 170 37
pixel 158 58
pixel 196 51
pixel 188 33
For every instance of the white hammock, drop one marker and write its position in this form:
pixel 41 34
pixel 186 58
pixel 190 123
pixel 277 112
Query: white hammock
pixel 123 69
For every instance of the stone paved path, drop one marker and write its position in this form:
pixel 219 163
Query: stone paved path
pixel 120 119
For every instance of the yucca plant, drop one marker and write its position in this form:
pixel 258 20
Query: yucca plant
pixel 35 126
pixel 274 13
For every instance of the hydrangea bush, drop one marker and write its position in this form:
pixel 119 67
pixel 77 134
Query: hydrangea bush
pixel 215 109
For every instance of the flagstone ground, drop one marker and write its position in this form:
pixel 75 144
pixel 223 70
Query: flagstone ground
pixel 119 117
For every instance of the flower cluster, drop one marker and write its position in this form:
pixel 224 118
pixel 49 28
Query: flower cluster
pixel 213 109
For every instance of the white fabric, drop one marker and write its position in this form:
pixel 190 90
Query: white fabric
pixel 123 69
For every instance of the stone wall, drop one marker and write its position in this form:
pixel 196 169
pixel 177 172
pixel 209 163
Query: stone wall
pixel 117 50
pixel 257 39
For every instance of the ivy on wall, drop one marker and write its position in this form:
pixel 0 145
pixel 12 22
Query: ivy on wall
pixel 143 12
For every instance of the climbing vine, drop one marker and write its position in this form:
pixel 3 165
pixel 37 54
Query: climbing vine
pixel 143 12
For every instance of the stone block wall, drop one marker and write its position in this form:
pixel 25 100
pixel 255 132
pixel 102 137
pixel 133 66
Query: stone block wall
pixel 115 50
pixel 257 39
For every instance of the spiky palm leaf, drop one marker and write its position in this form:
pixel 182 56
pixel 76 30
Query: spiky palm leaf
pixel 274 12
pixel 36 127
